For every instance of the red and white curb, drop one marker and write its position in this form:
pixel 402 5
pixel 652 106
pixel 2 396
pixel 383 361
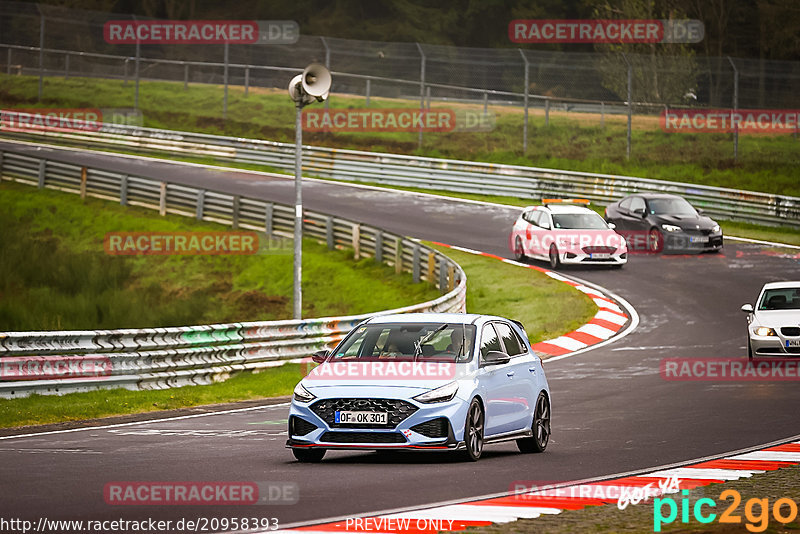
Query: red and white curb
pixel 511 506
pixel 607 322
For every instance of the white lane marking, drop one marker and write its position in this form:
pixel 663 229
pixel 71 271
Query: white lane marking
pixel 760 242
pixel 611 317
pixel 700 473
pixel 117 425
pixel 589 290
pixel 596 330
pixel 769 456
pixel 604 304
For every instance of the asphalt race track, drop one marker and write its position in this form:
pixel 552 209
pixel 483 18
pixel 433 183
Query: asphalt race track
pixel 612 411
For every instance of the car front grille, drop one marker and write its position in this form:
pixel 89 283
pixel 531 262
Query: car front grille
pixel 599 250
pixel 397 410
pixel 300 427
pixel 362 437
pixel 435 428
pixel 791 331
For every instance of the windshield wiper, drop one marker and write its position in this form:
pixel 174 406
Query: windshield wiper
pixel 423 339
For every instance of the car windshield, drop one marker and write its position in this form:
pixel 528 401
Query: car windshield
pixel 780 299
pixel 575 221
pixel 440 341
pixel 671 206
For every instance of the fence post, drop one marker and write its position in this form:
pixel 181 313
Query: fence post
pixel 327 64
pixel 368 91
pixel 246 80
pixel 602 114
pixel 125 71
pixel 431 268
pixel 442 275
pixel 451 277
pixel 201 204
pixel 421 88
pixel 123 190
pixel 329 235
pixel 379 247
pixel 41 56
pixel 527 83
pixel 162 200
pixel 398 256
pixel 485 102
pixel 547 111
pixel 66 66
pixel 428 97
pixel 84 176
pixel 185 76
pixel 136 74
pixel 630 105
pixel 8 61
pixel 270 209
pixel 415 266
pixel 236 205
pixel 356 241
pixel 42 164
pixel 735 109
pixel 225 76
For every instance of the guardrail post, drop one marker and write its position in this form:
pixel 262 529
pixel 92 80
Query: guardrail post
pixel 379 247
pixel 442 276
pixel 356 241
pixel 451 277
pixel 185 76
pixel 123 190
pixel 367 92
pixel 268 212
pixel 329 236
pixel 66 66
pixel 84 177
pixel 415 266
pixel 201 204
pixel 236 203
pixel 42 164
pixel 431 268
pixel 162 200
pixel 398 256
pixel 246 79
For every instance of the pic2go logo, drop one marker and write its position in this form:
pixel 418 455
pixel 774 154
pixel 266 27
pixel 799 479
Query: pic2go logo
pixel 758 520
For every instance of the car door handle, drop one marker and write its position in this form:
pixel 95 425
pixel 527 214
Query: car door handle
pixel 532 369
pixel 510 374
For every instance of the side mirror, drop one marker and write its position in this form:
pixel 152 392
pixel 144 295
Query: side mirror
pixel 639 212
pixel 320 356
pixel 748 308
pixel 495 357
pixel 700 211
pixel 612 225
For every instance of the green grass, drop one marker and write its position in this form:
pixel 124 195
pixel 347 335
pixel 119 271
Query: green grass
pixel 54 273
pixel 546 307
pixel 571 141
pixel 42 409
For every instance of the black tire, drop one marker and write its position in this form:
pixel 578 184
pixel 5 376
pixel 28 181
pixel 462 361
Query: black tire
pixel 555 263
pixel 655 242
pixel 749 350
pixel 474 431
pixel 310 456
pixel 540 427
pixel 519 252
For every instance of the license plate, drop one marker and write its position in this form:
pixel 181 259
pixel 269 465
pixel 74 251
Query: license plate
pixel 364 418
pixel 701 239
pixel 792 343
pixel 600 256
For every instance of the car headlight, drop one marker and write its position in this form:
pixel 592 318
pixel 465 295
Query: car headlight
pixel 301 394
pixel 440 394
pixel 671 228
pixel 715 229
pixel 764 331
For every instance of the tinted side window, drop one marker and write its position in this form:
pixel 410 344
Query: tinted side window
pixel 510 340
pixel 544 220
pixel 489 341
pixel 626 203
pixel 637 203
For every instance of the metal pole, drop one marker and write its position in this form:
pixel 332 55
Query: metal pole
pixel 298 213
pixel 630 105
pixel 8 62
pixel 246 80
pixel 41 57
pixel 125 72
pixel 368 92
pixel 421 88
pixel 66 66
pixel 428 96
pixel 136 75
pixel 547 111
pixel 525 123
pixel 327 63
pixel 485 102
pixel 185 76
pixel 225 76
pixel 602 114
pixel 735 108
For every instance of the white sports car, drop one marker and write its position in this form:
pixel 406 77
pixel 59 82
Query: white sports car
pixel 774 325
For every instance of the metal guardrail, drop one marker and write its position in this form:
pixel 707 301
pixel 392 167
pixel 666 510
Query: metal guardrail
pixel 430 173
pixel 37 362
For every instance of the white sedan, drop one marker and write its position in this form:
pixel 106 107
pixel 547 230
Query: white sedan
pixel 774 324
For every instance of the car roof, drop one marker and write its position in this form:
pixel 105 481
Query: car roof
pixel 562 208
pixel 654 195
pixel 786 284
pixel 466 318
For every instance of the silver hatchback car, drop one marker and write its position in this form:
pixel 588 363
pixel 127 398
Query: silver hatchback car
pixel 774 324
